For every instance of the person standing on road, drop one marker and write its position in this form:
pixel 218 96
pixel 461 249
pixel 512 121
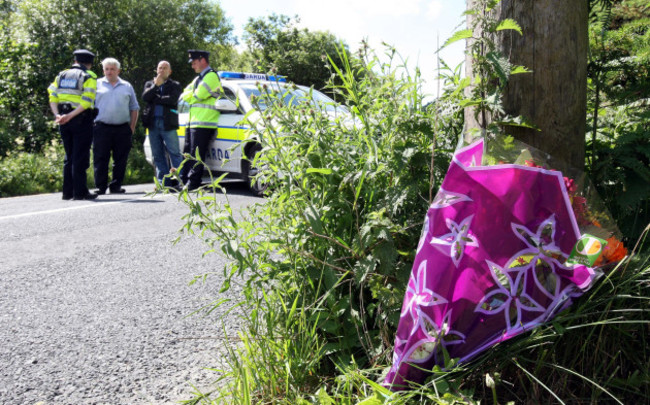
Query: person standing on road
pixel 71 98
pixel 114 126
pixel 201 95
pixel 160 117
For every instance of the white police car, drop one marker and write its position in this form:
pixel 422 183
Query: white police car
pixel 225 151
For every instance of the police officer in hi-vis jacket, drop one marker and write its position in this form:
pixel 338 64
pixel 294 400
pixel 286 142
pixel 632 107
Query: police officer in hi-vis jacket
pixel 72 98
pixel 201 95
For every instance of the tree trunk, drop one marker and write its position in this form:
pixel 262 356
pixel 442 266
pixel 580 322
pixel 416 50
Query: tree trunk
pixel 554 46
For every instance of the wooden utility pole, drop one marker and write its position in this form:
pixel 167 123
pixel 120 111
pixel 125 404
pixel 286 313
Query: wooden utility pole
pixel 554 46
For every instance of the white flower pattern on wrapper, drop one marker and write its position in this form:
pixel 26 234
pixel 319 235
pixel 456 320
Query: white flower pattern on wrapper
pixel 446 198
pixel 398 349
pixel 418 295
pixel 509 297
pixel 423 235
pixel 541 255
pixel 436 338
pixel 542 242
pixel 458 239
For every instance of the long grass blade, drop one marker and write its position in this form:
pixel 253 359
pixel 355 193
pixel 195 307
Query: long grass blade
pixel 531 376
pixel 594 383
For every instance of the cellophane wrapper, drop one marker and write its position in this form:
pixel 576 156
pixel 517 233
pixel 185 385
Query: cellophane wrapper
pixel 511 238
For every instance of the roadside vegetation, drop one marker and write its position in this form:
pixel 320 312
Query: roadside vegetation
pixel 325 259
pixel 25 173
pixel 37 39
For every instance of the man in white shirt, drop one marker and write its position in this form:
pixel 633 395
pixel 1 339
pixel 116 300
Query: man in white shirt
pixel 114 127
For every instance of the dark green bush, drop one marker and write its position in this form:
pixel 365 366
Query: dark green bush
pixel 28 173
pixel 621 166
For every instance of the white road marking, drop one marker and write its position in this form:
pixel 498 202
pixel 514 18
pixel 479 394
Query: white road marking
pixel 93 205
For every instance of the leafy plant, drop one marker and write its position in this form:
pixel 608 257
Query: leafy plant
pixel 28 173
pixel 138 170
pixel 23 115
pixel 491 69
pixel 323 261
pixel 618 107
pixel 621 166
pixel 334 239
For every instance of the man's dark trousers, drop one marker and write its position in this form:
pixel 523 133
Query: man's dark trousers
pixel 107 139
pixel 77 136
pixel 192 173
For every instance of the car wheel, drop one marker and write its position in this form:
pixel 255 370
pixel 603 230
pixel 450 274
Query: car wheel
pixel 257 187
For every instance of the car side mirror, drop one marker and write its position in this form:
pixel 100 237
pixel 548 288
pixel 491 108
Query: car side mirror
pixel 226 106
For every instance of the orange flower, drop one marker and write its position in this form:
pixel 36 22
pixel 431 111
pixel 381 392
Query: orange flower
pixel 614 251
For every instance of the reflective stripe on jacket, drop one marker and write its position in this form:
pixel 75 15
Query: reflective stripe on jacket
pixel 201 95
pixel 74 86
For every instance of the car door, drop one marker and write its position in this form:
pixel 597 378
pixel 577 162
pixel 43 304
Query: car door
pixel 224 152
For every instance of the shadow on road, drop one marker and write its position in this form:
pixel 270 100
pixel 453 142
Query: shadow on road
pixel 234 188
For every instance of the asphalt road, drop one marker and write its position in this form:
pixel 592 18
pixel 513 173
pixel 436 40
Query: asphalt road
pixel 95 301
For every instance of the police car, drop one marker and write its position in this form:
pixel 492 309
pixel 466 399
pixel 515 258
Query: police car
pixel 225 150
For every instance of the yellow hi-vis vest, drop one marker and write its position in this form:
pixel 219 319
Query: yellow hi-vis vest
pixel 201 95
pixel 74 86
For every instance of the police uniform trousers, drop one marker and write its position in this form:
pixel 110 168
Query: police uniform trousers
pixel 198 139
pixel 77 136
pixel 110 139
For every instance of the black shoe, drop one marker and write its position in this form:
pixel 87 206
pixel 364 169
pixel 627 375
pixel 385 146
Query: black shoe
pixel 89 196
pixel 66 197
pixel 100 191
pixel 118 191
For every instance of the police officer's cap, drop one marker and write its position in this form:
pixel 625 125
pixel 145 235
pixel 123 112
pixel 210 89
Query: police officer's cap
pixel 83 56
pixel 197 54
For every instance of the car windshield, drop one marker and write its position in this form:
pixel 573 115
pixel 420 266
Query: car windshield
pixel 291 96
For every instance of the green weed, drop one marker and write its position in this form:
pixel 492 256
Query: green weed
pixel 26 173
pixel 323 261
pixel 333 240
pixel 29 173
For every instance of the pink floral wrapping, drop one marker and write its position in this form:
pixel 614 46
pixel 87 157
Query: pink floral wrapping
pixel 490 263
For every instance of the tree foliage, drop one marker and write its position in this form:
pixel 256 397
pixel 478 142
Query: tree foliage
pixel 41 36
pixel 277 44
pixel 139 33
pixel 619 109
pixel 620 52
pixel 22 110
pixel 491 72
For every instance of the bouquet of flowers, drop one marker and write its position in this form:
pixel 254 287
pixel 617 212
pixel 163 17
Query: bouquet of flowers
pixel 507 243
